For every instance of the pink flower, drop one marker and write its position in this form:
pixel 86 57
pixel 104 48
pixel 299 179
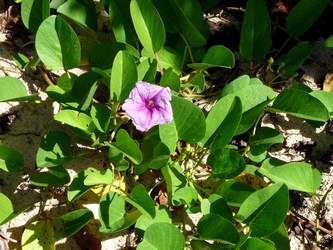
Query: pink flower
pixel 148 105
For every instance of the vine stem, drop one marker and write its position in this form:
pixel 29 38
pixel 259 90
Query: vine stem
pixel 159 65
pixel 188 47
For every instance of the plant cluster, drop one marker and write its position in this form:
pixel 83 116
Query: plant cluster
pixel 153 56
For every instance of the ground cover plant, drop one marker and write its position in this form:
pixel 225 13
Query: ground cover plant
pixel 177 138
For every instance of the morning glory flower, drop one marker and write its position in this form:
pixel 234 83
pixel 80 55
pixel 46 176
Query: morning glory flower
pixel 148 105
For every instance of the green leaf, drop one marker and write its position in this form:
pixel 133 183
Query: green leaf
pixel 291 61
pixel 128 146
pixel 325 98
pixel 215 204
pixel 216 56
pixel 303 15
pixel 140 199
pixel 193 27
pixel 184 111
pixel 77 188
pixel 38 235
pixel 169 21
pixel 329 42
pixel 215 227
pixel 101 116
pixel 122 25
pixel 170 79
pixel 234 193
pixel 226 163
pixel 255 39
pixel 75 119
pixel 54 149
pixel 74 221
pixel 97 177
pixel 227 126
pixel 265 209
pixel 123 76
pixel 33 12
pixel 184 196
pixel 12 89
pixel 57 45
pixel 298 176
pixel 21 60
pixel 280 238
pixel 113 216
pixel 256 243
pixel 168 135
pixel 6 209
pixel 306 106
pixel 84 89
pixel 197 80
pixel 81 11
pixel 10 159
pixel 162 215
pixel 162 236
pixel 148 24
pixel 55 176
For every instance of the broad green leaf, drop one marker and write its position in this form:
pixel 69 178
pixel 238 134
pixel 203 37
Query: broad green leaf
pixel 228 127
pixel 74 221
pixel 183 112
pixel 101 116
pixel 84 89
pixel 6 209
pixel 128 146
pixel 155 152
pixel 169 21
pixel 170 79
pixel 255 39
pixel 197 80
pixel 140 199
pixel 111 210
pixel 148 24
pixel 251 91
pixel 57 45
pixel 216 56
pixel 12 89
pixel 38 235
pixel 113 216
pixel 77 188
pixel 168 135
pixel 234 193
pixel 306 106
pixel 325 98
pixel 54 149
pixel 168 57
pixel 81 11
pixel 298 176
pixel 193 27
pixel 97 177
pixel 280 238
pixel 121 22
pixel 162 236
pixel 215 204
pixel 265 209
pixel 303 15
pixel 162 215
pixel 291 61
pixel 10 159
pixel 184 196
pixel 55 176
pixel 216 116
pixel 97 58
pixel 226 163
pixel 329 42
pixel 56 3
pixel 123 76
pixel 257 243
pixel 21 60
pixel 75 119
pixel 33 12
pixel 215 227
pixel 261 141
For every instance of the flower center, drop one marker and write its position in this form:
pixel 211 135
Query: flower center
pixel 150 104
